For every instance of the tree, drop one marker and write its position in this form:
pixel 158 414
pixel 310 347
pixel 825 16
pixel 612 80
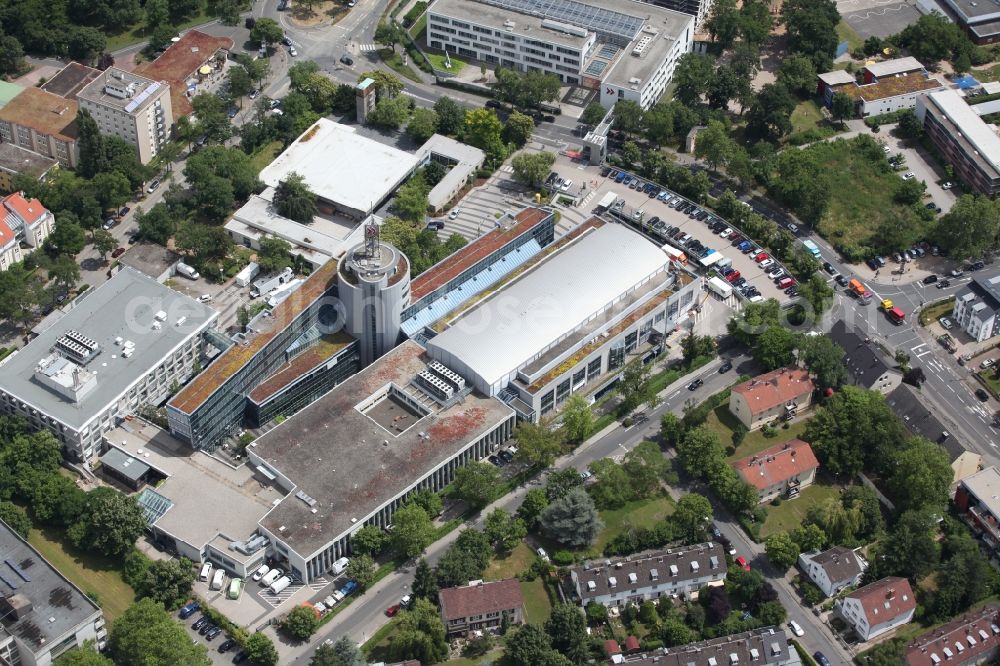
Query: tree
pixel 167 581
pixel 145 635
pixel 970 227
pixel 91 144
pixel 714 145
pixel 811 26
pixel 413 530
pixel 294 200
pixel 104 242
pixel 632 386
pixel 86 43
pixel 577 419
pixel 537 444
pixel 775 347
pixel 691 78
pixel 390 112
pixel 770 115
pixel 67 237
pixel 239 83
pixel 204 244
pixel 568 630
pixel 157 14
pixel 755 23
pixel 411 200
pixel 477 483
pixel 361 569
pixel 593 114
pixel 260 650
pixel 386 84
pixel 428 500
pixel 369 540
pixel 572 520
pixel 266 31
pixel 451 115
pixel 696 449
pixel 229 164
pixel 388 34
pixel 817 293
pixel 911 548
pixel 465 560
pixel 518 129
pixel 909 126
pixel 530 646
pixel 532 168
pixel 724 23
pixel 482 130
pixel 825 360
pixel 798 74
pixel 274 254
pixel 301 622
pixel 716 603
pixel 724 86
pixel 11 55
pixel 781 550
pixel 532 506
pixel 424 583
pixel 110 524
pixel 921 476
pixel 809 538
pixel 86 655
pixel 423 124
pixel 420 635
pixel 16 518
pixel 504 530
pixel 692 517
pixel 841 107
pixel 561 482
pixel 157 225
pixel 645 467
pixel 611 488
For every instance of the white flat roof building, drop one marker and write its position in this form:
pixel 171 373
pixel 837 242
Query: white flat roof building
pixel 350 172
pixel 120 346
pixel 967 142
pixel 492 341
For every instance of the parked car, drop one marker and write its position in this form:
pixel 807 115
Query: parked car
pixel 945 323
pixel 454 214
pixel 119 251
pixel 821 658
pixel 696 384
pixel 842 280
pixel 347 60
pixel 796 628
pixel 227 645
pixel 987 363
pixel 392 610
pixel 930 279
pixel 742 562
pixel 155 183
pixel 828 267
pixel 909 175
pixel 982 394
pixel 200 622
pixel 542 554
pixel 725 367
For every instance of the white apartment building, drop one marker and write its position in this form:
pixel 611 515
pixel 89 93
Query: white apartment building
pixel 29 221
pixel 131 107
pixel 977 307
pixel 116 348
pixel 624 48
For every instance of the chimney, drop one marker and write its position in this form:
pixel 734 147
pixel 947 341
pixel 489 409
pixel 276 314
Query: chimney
pixel 891 593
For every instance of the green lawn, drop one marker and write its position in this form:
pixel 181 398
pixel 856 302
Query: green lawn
pixel 94 574
pixel 395 63
pixel 861 200
pixel 846 33
pixel 508 567
pixel 437 60
pixel 989 376
pixel 537 606
pixel 722 422
pixel 136 33
pixel 791 513
pixel 932 312
pixel 265 155
pixel 641 513
pixel 806 116
pixel 418 28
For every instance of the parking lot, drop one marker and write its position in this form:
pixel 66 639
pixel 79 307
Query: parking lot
pixel 637 201
pixel 879 18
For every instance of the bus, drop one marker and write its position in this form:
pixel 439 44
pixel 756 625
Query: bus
pixel 812 247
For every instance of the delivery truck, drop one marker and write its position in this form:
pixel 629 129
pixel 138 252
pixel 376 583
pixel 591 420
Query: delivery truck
pixel 720 287
pixel 269 284
pixel 249 272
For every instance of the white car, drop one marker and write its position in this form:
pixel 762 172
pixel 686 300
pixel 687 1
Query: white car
pixel 455 213
pixel 947 185
pixel 292 52
pixel 330 602
pixel 796 629
pixel 886 150
pixel 205 298
pixel 776 273
pixel 542 554
pixel 726 234
pixel 794 228
pixel 909 175
pixel 566 185
pixel 945 323
pixel 767 263
pixel 987 363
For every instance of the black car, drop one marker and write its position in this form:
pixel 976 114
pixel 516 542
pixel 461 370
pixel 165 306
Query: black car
pixel 976 266
pixel 792 292
pixel 701 216
pixel 739 282
pixel 240 657
pixel 695 385
pixel 493 104
pixel 872 264
pixel 716 532
pixel 200 622
pixel 124 211
pixel 842 280
pixel 930 279
pixel 943 283
pixel 724 368
pixel 821 658
pixel 227 645
pixel 205 628
pixel 212 633
pixel 982 395
pixel 349 61
pixel 828 267
pixel 653 220
pixel 605 171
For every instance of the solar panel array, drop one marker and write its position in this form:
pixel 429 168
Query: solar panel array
pixel 605 22
pixel 608 52
pixel 18 570
pixel 142 97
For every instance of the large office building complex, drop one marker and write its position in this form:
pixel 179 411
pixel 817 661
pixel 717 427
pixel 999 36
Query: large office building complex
pixel 980 19
pixel 132 108
pixel 624 48
pixel 42 614
pixel 967 143
pixel 120 347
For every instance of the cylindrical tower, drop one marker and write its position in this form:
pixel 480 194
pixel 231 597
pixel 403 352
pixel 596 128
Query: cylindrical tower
pixel 374 287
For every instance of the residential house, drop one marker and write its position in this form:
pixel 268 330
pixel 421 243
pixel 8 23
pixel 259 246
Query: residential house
pixel 973 638
pixel 833 569
pixel 767 646
pixel 866 365
pixel 781 470
pixel 10 249
pixel 978 496
pixel 977 307
pixel 879 607
pixel 774 395
pixel 28 219
pixel 922 423
pixel 676 572
pixel 480 605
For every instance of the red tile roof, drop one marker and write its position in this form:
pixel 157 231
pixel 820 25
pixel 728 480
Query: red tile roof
pixel 775 388
pixel 180 62
pixel 481 598
pixel 29 211
pixel 885 600
pixel 982 626
pixel 6 235
pixel 611 647
pixel 777 464
pixel 450 268
pixel 632 644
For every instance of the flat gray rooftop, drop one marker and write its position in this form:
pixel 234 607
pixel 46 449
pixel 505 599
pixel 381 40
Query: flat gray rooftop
pixel 975 10
pixel 58 606
pixel 125 306
pixel 338 456
pixel 670 27
pixel 18 160
pixel 143 90
pixel 526 26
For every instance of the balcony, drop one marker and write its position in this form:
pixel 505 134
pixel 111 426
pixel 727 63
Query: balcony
pixel 985 522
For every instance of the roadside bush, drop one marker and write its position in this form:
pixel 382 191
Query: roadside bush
pixel 411 16
pixel 811 594
pixel 563 558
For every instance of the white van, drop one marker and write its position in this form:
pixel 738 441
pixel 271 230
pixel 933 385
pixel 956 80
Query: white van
pixel 257 575
pixel 280 584
pixel 206 572
pixel 217 580
pixel 270 577
pixel 339 566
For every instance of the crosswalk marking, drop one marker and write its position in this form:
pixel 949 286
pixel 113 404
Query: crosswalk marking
pixel 367 47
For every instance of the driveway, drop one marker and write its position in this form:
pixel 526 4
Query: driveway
pixel 923 166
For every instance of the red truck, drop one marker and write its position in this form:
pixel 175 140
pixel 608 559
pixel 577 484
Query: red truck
pixel 896 316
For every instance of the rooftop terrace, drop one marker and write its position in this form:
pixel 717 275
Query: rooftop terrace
pixel 70 80
pixel 324 349
pixel 891 86
pixel 43 112
pixel 234 358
